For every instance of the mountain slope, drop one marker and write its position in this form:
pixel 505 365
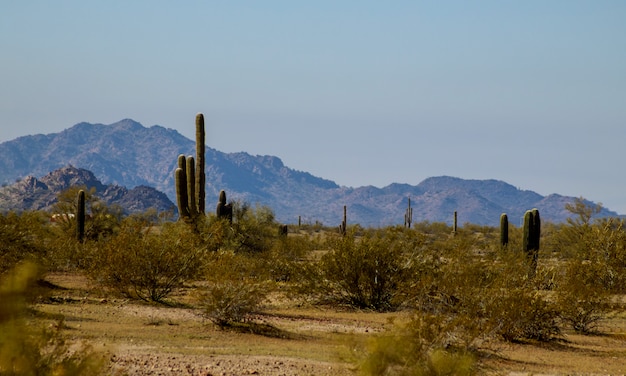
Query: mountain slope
pixel 31 193
pixel 126 154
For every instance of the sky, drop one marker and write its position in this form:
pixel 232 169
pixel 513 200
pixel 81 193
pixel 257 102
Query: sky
pixel 363 92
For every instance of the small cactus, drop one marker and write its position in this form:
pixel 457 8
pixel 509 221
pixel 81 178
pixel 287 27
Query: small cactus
pixel 343 227
pixel 224 210
pixel 80 216
pixel 530 241
pixel 504 230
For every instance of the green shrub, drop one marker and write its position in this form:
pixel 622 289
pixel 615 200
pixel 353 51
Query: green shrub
pixel 599 242
pixel 482 292
pixel 140 262
pixel 366 272
pixel 22 237
pixel 287 253
pixel 419 348
pixel 440 229
pixel 252 230
pixel 583 302
pixel 235 288
pixel 523 313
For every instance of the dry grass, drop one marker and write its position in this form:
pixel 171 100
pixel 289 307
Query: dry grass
pixel 285 339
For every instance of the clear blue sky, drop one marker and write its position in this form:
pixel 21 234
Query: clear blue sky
pixel 360 92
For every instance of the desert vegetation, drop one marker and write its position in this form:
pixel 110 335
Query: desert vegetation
pixel 451 300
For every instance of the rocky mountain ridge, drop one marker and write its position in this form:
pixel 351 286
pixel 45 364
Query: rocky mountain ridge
pixel 31 193
pixel 127 154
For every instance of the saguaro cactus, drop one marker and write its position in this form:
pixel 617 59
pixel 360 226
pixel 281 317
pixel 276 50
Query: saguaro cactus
pixel 408 215
pixel 343 227
pixel 454 223
pixel 224 210
pixel 530 241
pixel 80 216
pixel 504 230
pixel 190 178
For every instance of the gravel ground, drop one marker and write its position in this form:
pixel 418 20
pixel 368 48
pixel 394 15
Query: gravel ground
pixel 216 365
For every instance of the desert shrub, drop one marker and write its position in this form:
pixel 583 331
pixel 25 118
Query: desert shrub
pixel 573 239
pixel 145 264
pixel 252 229
pixel 367 272
pixel 417 348
pixel 282 261
pixel 523 313
pixel 451 284
pixel 607 250
pixel 22 237
pixel 67 253
pixel 235 286
pixel 434 287
pixel 599 242
pixel 583 309
pixel 582 301
pixel 514 306
pixel 482 293
pixel 433 228
pixel 25 348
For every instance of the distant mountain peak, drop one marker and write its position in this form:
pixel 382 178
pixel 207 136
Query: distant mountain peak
pixel 69 176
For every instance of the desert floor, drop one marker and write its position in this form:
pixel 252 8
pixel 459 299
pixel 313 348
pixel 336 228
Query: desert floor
pixel 285 339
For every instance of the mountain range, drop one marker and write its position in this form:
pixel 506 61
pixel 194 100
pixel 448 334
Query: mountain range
pixel 128 156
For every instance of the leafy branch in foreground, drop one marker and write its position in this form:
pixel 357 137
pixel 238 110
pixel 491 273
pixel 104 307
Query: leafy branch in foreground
pixel 26 349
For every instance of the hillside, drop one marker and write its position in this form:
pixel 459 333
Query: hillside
pixel 127 154
pixel 31 193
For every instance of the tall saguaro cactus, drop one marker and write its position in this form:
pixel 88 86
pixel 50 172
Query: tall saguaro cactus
pixel 530 241
pixel 504 230
pixel 408 215
pixel 80 216
pixel 454 223
pixel 190 178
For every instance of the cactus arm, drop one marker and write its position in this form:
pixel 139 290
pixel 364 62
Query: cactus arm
pixel 504 230
pixel 181 193
pixel 80 216
pixel 191 186
pixel 200 160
